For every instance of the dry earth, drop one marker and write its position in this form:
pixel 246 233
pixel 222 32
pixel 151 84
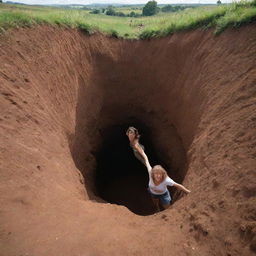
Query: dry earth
pixel 66 99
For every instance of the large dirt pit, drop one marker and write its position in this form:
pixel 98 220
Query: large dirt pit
pixel 69 182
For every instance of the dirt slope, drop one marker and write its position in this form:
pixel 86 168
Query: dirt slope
pixel 61 90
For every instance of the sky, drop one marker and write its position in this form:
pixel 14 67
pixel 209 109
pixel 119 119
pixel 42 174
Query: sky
pixel 113 1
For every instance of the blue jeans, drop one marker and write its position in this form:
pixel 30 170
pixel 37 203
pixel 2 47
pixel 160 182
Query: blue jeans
pixel 165 198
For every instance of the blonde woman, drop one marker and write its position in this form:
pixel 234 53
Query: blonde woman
pixel 158 183
pixel 158 178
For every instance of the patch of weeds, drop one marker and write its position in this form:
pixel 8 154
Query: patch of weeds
pixel 149 33
pixel 169 30
pixel 85 28
pixel 63 22
pixel 114 33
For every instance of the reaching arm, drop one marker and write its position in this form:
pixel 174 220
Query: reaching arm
pixel 179 186
pixel 144 156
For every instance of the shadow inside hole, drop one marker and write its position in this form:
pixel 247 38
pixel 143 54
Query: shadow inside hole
pixel 120 177
pixel 102 154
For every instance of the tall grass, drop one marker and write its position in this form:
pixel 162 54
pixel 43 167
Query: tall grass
pixel 236 15
pixel 203 17
pixel 219 17
pixel 162 24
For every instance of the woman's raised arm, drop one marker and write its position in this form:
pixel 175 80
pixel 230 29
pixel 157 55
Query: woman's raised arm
pixel 143 154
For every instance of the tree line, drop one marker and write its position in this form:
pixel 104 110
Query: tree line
pixel 149 9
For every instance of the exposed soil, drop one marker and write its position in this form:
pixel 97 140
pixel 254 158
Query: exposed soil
pixel 66 101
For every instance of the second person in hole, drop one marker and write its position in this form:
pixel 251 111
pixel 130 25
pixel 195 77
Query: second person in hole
pixel 158 177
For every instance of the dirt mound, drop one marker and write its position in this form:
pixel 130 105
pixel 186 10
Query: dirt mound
pixel 66 100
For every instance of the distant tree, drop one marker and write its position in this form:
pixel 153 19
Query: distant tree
pixel 110 11
pixel 95 11
pixel 174 8
pixel 167 8
pixel 1 1
pixel 132 14
pixel 218 2
pixel 137 15
pixel 120 14
pixel 150 8
pixel 103 10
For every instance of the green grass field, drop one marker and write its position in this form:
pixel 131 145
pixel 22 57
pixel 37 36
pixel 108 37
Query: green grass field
pixel 162 24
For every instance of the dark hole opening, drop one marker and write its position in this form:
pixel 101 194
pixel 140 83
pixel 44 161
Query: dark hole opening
pixel 120 177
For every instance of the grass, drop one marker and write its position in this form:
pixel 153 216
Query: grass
pixel 162 24
pixel 236 16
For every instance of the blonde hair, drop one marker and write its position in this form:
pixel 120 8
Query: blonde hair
pixel 133 129
pixel 158 169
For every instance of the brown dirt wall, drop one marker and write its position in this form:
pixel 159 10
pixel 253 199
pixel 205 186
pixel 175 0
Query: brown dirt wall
pixel 60 90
